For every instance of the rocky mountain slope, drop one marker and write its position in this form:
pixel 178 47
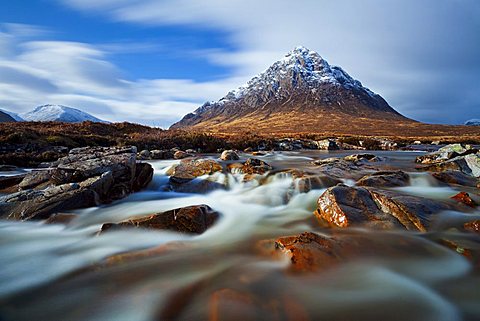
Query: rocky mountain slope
pixel 473 122
pixel 297 93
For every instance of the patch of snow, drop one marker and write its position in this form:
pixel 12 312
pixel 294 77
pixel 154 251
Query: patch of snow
pixel 473 122
pixel 59 113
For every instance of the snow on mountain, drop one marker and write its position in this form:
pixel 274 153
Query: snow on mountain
pixel 12 114
pixel 59 113
pixel 300 69
pixel 473 122
pixel 302 82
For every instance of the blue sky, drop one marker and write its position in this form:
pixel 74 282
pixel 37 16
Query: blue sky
pixel 152 61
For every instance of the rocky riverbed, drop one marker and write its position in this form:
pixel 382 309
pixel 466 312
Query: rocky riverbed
pixel 117 233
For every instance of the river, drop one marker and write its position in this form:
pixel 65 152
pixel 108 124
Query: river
pixel 58 272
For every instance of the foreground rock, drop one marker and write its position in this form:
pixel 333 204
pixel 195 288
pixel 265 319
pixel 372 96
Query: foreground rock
pixel 192 219
pixel 343 206
pixel 191 168
pixel 86 177
pixel 465 198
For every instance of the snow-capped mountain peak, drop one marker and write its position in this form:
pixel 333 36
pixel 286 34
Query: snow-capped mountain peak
pixel 301 69
pixel 301 82
pixel 12 114
pixel 59 113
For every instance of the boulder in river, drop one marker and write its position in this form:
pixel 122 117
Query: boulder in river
pixel 385 179
pixel 344 206
pixel 457 178
pixel 191 219
pixel 362 157
pixel 179 154
pixel 191 168
pixel 228 155
pixel 446 153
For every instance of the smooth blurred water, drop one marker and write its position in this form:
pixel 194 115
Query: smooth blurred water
pixel 58 272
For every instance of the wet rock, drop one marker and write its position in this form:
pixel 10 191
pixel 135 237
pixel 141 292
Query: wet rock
pixel 228 155
pixel 361 157
pixel 341 168
pixel 35 179
pixel 257 153
pixel 189 169
pixel 161 154
pixel 310 252
pixel 473 226
pixel 465 198
pixel 445 153
pixel 143 176
pixel 248 150
pixel 456 178
pixel 8 168
pixel 255 166
pixel 413 212
pixel 304 182
pixel 473 163
pixel 179 154
pixel 144 154
pixel 31 204
pixel 192 219
pixel 343 206
pixel 9 184
pixel 327 144
pixel 86 177
pixel 61 218
pixel 385 179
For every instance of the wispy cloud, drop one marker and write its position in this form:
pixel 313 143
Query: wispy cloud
pixel 410 51
pixel 80 75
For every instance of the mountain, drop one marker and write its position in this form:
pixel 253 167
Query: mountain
pixel 12 114
pixel 59 113
pixel 298 93
pixel 4 117
pixel 473 122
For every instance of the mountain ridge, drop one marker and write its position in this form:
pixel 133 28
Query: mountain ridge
pixel 301 84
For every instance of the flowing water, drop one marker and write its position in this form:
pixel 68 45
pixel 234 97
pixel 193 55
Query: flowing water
pixel 58 272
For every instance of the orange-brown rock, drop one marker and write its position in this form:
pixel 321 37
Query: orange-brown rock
pixel 473 226
pixel 189 169
pixel 230 305
pixel 465 198
pixel 344 206
pixel 61 218
pixel 191 219
pixel 256 166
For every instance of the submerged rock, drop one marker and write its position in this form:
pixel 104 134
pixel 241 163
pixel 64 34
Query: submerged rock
pixel 86 177
pixel 192 219
pixel 385 179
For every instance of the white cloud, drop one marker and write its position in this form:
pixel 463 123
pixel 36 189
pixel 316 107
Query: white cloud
pixel 384 44
pixel 80 75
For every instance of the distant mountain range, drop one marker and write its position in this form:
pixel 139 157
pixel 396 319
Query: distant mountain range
pixel 299 93
pixel 473 122
pixel 54 113
pixel 5 117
